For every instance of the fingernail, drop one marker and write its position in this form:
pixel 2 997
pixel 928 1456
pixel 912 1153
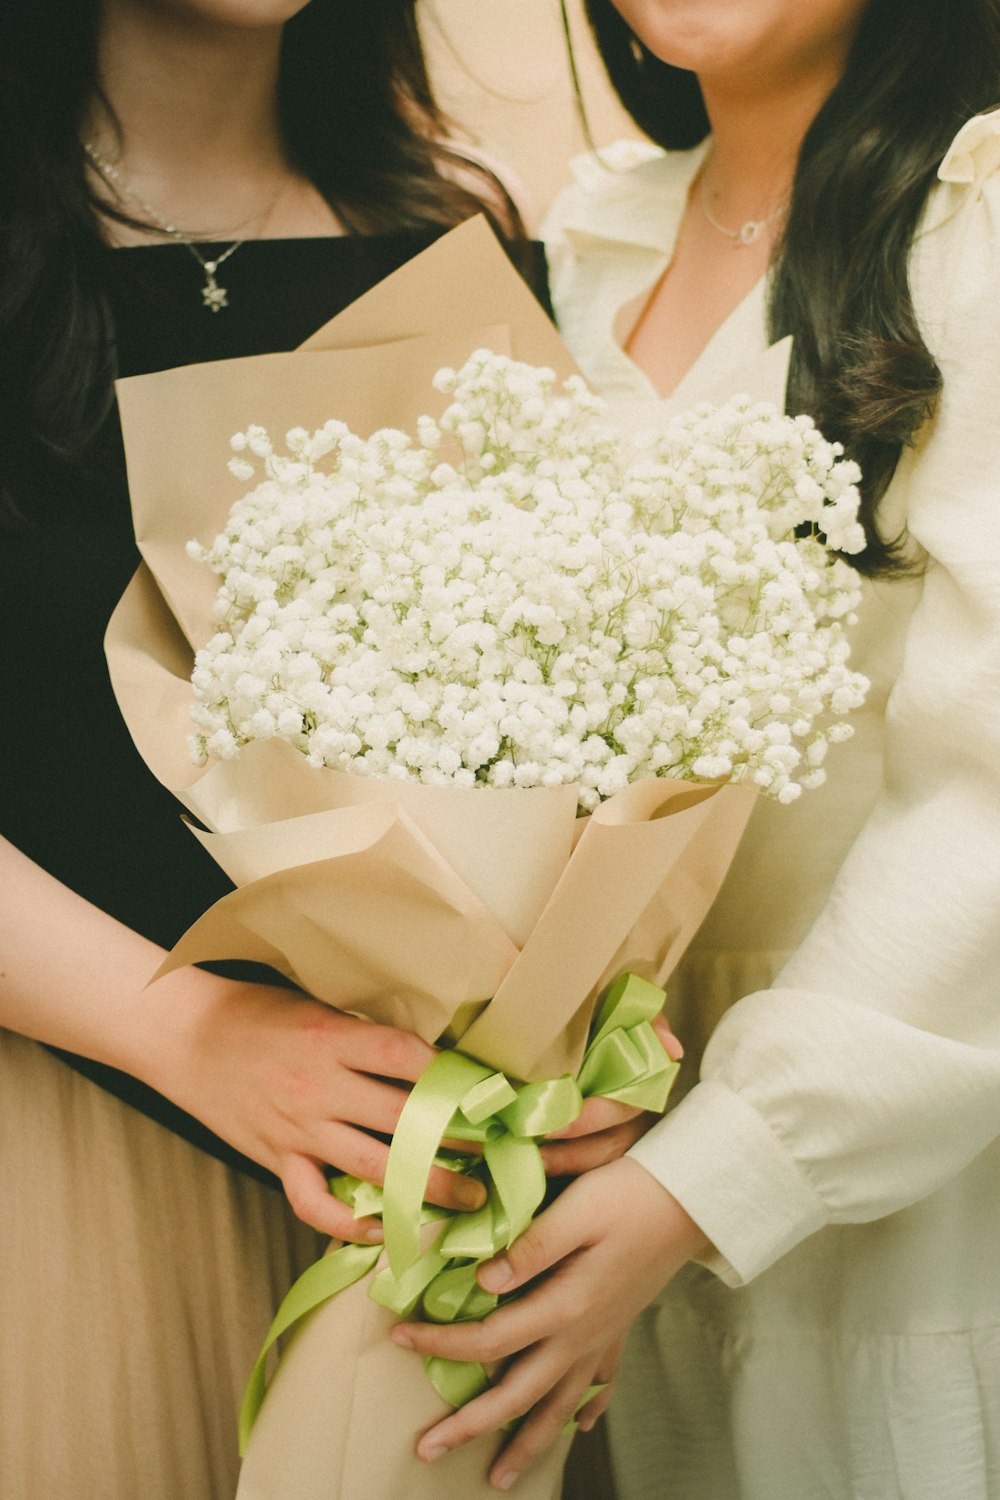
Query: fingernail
pixel 506 1480
pixel 374 1236
pixel 402 1338
pixel 430 1454
pixel 497 1276
pixel 470 1194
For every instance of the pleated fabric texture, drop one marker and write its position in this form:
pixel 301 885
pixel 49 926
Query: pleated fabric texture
pixel 137 1278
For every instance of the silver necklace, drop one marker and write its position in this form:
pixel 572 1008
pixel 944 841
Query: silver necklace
pixel 213 296
pixel 748 233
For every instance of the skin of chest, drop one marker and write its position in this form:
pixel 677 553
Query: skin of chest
pixel 706 280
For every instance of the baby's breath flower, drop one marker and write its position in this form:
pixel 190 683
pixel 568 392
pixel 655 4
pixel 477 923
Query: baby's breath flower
pixel 524 596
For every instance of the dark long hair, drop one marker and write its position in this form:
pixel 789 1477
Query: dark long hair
pixel 359 120
pixel 840 282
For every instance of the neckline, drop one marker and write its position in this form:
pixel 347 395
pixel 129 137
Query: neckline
pixel 627 315
pixel 292 239
pixel 702 371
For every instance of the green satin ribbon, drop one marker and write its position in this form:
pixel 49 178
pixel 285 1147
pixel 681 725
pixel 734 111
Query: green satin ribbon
pixel 457 1098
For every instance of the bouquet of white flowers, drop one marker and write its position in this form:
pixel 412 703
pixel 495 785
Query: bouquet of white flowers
pixel 558 603
pixel 433 649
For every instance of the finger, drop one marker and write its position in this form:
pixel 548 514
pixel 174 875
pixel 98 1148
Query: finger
pixel 464 1148
pixel 496 1337
pixel 541 1427
pixel 607 1365
pixel 570 1158
pixel 361 1155
pixel 567 1225
pixel 589 1415
pixel 671 1045
pixel 607 1369
pixel 523 1383
pixel 596 1115
pixel 305 1185
pixel 548 1309
pixel 367 1102
pixel 384 1051
pixel 454 1190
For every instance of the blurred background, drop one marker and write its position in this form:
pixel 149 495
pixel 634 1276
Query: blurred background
pixel 500 69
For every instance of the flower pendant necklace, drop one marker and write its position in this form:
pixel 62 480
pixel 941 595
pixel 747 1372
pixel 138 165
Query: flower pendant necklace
pixel 213 296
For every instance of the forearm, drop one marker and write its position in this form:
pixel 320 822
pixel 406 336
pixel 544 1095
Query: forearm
pixel 74 977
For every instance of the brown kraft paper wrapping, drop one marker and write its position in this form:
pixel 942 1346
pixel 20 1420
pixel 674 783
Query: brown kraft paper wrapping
pixel 399 902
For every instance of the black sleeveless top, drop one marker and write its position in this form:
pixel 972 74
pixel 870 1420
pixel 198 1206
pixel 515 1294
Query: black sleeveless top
pixel 74 794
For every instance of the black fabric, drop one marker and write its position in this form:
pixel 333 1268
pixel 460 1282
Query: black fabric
pixel 74 794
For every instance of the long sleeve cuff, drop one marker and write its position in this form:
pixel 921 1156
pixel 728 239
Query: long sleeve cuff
pixel 729 1171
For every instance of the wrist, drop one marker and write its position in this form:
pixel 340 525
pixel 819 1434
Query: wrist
pixel 160 1040
pixel 668 1220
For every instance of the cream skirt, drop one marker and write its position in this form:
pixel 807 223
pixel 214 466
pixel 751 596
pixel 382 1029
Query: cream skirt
pixel 137 1278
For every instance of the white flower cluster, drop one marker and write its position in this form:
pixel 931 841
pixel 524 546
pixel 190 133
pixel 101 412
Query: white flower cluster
pixel 524 596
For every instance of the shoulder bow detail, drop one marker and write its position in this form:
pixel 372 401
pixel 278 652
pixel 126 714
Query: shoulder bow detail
pixel 974 154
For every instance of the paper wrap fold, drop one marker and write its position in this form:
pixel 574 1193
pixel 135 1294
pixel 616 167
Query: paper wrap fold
pixel 495 916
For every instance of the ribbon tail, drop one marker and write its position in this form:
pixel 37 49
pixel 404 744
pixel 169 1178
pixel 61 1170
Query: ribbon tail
pixel 333 1274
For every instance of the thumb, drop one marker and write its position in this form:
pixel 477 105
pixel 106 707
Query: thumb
pixel 556 1233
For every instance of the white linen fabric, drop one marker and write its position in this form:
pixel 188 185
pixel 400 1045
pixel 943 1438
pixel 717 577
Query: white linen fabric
pixel 841 1147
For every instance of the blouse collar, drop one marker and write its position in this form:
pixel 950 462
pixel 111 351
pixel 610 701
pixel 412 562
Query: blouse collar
pixel 634 194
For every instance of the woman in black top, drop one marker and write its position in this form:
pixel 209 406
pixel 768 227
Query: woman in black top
pixel 180 180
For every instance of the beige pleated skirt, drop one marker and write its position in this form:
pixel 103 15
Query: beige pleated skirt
pixel 137 1279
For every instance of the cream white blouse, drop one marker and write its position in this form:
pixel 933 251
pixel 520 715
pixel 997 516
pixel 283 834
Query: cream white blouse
pixel 862 1072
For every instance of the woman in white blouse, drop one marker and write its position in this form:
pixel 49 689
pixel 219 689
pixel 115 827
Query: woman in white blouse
pixel 825 1201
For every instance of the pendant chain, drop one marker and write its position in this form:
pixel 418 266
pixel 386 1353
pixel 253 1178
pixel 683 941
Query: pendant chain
pixel 749 232
pixel 213 296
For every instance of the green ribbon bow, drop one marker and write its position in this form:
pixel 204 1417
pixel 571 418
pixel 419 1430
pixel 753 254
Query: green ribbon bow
pixel 457 1098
